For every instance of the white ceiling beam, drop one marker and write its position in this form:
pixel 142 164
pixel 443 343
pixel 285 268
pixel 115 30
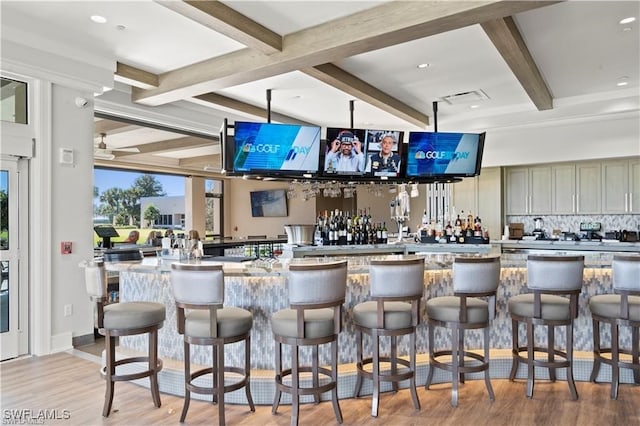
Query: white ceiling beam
pixel 349 83
pixel 223 19
pixel 135 77
pixel 212 14
pixel 138 78
pixel 170 145
pixel 382 26
pixel 202 160
pixel 112 127
pixel 506 37
pixel 246 108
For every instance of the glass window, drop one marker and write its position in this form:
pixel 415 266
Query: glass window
pixel 213 200
pixel 13 101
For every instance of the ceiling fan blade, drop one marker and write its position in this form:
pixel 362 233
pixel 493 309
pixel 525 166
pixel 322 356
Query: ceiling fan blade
pixel 125 149
pixel 103 155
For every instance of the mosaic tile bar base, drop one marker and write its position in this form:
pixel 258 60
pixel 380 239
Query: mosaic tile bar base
pixel 267 293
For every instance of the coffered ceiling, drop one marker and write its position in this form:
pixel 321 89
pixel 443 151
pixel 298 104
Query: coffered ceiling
pixel 488 64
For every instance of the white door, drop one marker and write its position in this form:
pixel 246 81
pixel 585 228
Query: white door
pixel 13 294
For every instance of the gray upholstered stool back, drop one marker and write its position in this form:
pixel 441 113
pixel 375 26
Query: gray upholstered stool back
pixel 317 283
pixel 555 273
pixel 476 275
pixel 626 272
pixel 401 277
pixel 198 284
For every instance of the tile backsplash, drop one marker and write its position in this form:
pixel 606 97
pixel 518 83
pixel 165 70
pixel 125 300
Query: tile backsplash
pixel 571 223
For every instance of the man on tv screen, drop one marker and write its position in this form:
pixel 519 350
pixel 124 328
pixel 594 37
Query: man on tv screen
pixel 345 154
pixel 385 162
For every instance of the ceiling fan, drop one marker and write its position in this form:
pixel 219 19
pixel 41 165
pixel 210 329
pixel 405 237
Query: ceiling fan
pixel 104 153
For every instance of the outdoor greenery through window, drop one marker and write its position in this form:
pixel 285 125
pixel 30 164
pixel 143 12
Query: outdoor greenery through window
pixel 147 202
pixel 13 102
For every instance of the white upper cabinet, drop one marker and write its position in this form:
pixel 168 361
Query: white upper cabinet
pixel 621 186
pixel 588 188
pixel 528 190
pixel 563 189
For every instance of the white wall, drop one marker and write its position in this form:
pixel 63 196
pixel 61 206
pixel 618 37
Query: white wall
pixel 605 136
pixel 71 215
pixel 238 220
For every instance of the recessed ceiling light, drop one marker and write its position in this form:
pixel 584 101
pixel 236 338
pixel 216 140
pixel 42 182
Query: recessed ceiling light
pixel 628 20
pixel 99 19
pixel 423 66
pixel 474 106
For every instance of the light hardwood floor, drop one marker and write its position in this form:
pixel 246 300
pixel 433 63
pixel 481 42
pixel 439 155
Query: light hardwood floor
pixel 65 381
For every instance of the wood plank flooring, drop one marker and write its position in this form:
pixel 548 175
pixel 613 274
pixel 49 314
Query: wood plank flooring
pixel 64 381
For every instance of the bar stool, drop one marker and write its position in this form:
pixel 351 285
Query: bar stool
pixel 473 278
pixel 316 294
pixel 549 278
pixel 394 281
pixel 620 309
pixel 124 319
pixel 198 290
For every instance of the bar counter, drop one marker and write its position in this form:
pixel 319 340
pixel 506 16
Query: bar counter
pixel 260 286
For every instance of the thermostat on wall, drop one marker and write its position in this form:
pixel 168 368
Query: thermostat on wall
pixel 66 156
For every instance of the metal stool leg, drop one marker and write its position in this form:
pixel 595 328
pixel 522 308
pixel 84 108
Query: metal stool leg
pixel 514 350
pixel 110 370
pixel 153 366
pixel 596 350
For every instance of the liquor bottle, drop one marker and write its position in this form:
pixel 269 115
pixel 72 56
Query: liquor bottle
pixel 449 231
pixel 477 228
pixel 385 233
pixel 349 234
pixel 378 234
pixel 342 231
pixel 438 230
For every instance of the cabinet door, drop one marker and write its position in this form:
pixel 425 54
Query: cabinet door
pixel 517 191
pixel 615 183
pixel 634 186
pixel 563 188
pixel 588 188
pixel 465 195
pixel 540 190
pixel 490 201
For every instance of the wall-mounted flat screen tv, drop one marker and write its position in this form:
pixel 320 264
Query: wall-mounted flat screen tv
pixel 384 153
pixel 362 152
pixel 276 148
pixel 441 154
pixel 345 152
pixel 270 203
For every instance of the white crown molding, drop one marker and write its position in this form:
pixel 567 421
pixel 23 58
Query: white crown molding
pixel 25 60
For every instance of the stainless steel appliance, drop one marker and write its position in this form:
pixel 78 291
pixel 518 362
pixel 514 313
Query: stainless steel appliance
pixel 538 231
pixel 591 230
pixel 300 234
